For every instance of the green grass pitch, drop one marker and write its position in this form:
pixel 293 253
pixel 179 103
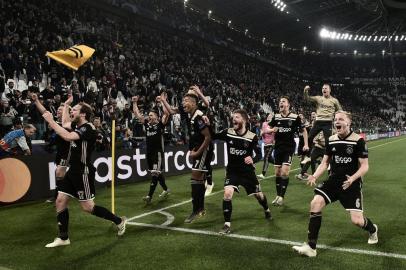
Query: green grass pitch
pixel 256 243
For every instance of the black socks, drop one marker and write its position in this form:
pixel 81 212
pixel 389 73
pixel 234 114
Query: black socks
pixel 63 222
pixel 314 228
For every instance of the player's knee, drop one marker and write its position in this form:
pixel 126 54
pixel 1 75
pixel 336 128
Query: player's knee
pixel 88 208
pixel 228 195
pixel 357 221
pixel 60 202
pixel 317 204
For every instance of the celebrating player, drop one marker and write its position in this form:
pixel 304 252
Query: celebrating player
pixel 79 179
pixel 154 127
pixel 347 154
pixel 62 146
pixel 241 143
pixel 326 107
pixel 285 124
pixel 201 148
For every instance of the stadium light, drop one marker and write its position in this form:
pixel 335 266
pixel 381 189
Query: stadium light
pixel 383 52
pixel 298 20
pixel 402 37
pixel 350 37
pixel 246 31
pixel 324 33
pixel 309 27
pixel 396 38
pixel 229 23
pixel 355 52
pixel 356 37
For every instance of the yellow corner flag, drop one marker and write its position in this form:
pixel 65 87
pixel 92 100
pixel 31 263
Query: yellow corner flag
pixel 73 57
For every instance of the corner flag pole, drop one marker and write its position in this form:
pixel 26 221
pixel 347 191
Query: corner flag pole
pixel 113 158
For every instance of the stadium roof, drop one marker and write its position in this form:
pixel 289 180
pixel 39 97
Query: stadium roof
pixel 299 23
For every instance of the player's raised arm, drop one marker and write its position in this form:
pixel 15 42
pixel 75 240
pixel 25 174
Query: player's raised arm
pixel 38 104
pixel 199 92
pixel 166 105
pixel 306 94
pixel 136 110
pixel 66 135
pixel 66 120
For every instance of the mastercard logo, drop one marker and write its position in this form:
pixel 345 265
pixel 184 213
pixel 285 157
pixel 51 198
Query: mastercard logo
pixel 15 179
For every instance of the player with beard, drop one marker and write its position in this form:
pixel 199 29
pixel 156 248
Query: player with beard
pixel 327 106
pixel 285 124
pixel 200 151
pixel 268 137
pixel 154 129
pixel 240 171
pixel 347 155
pixel 79 179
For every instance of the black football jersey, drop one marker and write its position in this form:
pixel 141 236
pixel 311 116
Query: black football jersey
pixel 195 128
pixel 287 126
pixel 154 136
pixel 62 147
pixel 81 149
pixel 344 154
pixel 238 148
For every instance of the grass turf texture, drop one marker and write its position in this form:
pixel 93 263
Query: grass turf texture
pixel 26 228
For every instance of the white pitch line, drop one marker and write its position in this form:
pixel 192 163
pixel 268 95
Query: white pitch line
pixel 188 201
pixel 376 146
pixel 219 191
pixel 169 218
pixel 271 240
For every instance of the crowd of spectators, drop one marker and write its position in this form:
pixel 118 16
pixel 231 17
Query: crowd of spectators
pixel 135 59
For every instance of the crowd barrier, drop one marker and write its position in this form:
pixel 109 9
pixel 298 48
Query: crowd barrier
pixel 29 178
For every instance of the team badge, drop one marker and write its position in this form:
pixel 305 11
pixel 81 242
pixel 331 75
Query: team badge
pixel 246 145
pixel 289 123
pixel 349 150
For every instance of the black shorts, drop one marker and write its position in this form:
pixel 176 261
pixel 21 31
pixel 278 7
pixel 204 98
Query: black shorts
pixel 332 190
pixel 246 179
pixel 78 184
pixel 155 162
pixel 202 163
pixel 283 156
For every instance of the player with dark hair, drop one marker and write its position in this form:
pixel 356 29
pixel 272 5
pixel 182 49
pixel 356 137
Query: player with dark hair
pixel 285 124
pixel 240 171
pixel 154 128
pixel 204 107
pixel 347 155
pixel 201 149
pixel 14 141
pixel 79 179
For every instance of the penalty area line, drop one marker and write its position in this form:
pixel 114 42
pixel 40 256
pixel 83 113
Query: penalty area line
pixel 271 240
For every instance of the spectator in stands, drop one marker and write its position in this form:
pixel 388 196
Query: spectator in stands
pixel 15 142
